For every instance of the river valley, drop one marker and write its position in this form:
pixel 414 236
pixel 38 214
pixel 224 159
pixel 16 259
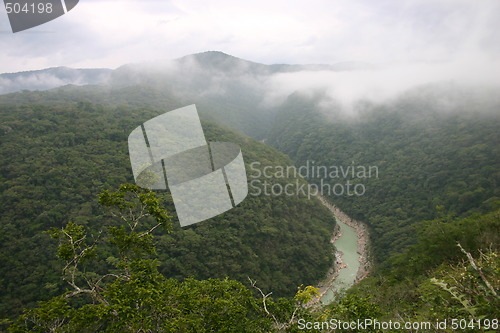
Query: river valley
pixel 350 239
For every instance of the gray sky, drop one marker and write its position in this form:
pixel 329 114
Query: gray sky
pixel 109 33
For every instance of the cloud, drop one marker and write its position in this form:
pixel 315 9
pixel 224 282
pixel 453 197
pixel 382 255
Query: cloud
pixel 414 42
pixel 346 89
pixel 32 82
pixel 108 33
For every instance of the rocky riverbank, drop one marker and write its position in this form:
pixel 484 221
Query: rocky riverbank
pixel 333 272
pixel 362 247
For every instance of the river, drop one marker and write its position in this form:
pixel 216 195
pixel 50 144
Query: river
pixel 347 247
pixel 350 239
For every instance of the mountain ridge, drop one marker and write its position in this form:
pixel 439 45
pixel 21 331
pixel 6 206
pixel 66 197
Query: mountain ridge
pixel 54 77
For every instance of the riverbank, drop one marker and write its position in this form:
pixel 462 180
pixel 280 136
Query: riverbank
pixel 362 248
pixel 333 272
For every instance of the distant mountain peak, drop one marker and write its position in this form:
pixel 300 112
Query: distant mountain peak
pixel 213 54
pixel 220 61
pixel 208 62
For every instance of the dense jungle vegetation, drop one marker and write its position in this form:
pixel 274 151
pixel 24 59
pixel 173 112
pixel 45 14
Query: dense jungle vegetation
pixel 430 163
pixel 56 159
pixel 432 209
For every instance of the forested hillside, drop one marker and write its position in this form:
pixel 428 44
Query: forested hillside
pixel 56 159
pixel 431 205
pixel 452 271
pixel 431 161
pixel 226 89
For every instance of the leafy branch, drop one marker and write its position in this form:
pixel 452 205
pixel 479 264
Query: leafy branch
pixel 302 297
pixel 131 204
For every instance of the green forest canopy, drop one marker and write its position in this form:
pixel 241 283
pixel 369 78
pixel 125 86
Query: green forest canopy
pixel 56 159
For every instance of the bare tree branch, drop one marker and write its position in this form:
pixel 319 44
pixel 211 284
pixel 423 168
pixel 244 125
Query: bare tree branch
pixel 478 269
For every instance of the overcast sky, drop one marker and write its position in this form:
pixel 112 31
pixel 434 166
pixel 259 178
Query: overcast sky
pixel 100 33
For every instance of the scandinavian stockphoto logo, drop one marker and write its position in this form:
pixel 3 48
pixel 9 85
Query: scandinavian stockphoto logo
pixel 28 14
pixel 205 179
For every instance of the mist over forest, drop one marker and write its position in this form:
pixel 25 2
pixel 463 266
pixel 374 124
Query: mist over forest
pixel 432 137
pixel 406 89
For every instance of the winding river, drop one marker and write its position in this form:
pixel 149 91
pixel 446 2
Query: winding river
pixel 350 239
pixel 347 249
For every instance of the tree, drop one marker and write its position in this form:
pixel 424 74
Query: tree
pixel 135 297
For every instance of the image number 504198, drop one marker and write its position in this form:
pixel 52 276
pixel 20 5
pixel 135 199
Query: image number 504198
pixel 17 8
pixel 27 14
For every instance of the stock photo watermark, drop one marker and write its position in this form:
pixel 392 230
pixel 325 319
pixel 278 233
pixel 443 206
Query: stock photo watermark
pixel 330 180
pixel 205 179
pixel 27 14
